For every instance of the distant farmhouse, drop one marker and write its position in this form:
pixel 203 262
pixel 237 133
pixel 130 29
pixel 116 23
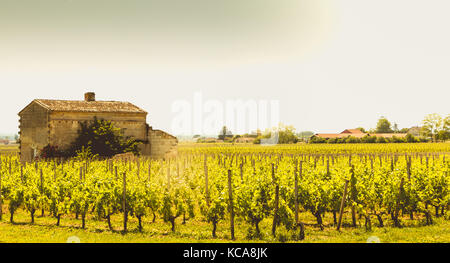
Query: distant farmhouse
pixel 357 134
pixel 245 139
pixel 57 123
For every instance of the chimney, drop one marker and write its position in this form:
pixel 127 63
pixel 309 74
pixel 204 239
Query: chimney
pixel 89 96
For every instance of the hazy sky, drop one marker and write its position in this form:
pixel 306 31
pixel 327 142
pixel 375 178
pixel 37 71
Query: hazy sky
pixel 331 64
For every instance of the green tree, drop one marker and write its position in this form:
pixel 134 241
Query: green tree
pixel 404 130
pixel 396 129
pixel 383 126
pixel 316 139
pixel 444 134
pixel 224 133
pixel 433 124
pixel 286 134
pixel 305 135
pixel 410 138
pixel 381 140
pixel 361 129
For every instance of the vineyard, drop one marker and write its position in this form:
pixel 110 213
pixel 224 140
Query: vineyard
pixel 282 192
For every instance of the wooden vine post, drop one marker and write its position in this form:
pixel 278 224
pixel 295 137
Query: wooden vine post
pixel 205 165
pixel 341 210
pixel 408 171
pixel 397 205
pixel 328 167
pixel 42 191
pixel 168 176
pixel 138 169
pixel 296 191
pixel 277 196
pixel 408 167
pixel 371 164
pixel 1 201
pixel 241 168
pixel 353 194
pixel 149 170
pixel 230 196
pixel 124 202
pixel 300 172
pixel 21 173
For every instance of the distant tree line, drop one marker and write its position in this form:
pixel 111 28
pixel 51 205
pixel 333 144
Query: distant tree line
pixel 369 139
pixel 283 134
pixel 434 128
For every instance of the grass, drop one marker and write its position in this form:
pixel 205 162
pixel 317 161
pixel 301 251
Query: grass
pixel 44 230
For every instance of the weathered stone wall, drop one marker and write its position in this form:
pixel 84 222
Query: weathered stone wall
pixel 162 145
pixel 34 131
pixel 39 128
pixel 64 126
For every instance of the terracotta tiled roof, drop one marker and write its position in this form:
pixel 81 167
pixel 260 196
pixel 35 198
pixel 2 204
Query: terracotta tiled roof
pixel 330 135
pixel 352 131
pixel 340 135
pixel 89 106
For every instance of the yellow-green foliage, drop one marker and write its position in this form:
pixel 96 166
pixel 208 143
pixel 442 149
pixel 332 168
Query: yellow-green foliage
pixel 384 185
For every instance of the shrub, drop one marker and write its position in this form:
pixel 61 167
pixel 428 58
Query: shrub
pixel 381 140
pixel 396 139
pixel 351 139
pixel 369 139
pixel 103 139
pixel 316 139
pixel 50 151
pixel 340 140
pixel 332 140
pixel 410 138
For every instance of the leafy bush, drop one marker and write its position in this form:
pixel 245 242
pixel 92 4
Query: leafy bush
pixel 315 139
pixel 103 139
pixel 396 139
pixel 50 151
pixel 381 140
pixel 369 139
pixel 410 138
pixel 351 139
pixel 332 140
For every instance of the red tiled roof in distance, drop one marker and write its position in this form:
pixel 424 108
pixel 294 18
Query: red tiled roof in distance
pixel 328 135
pixel 352 131
pixel 340 135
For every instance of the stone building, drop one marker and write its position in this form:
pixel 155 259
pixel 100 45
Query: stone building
pixel 57 122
